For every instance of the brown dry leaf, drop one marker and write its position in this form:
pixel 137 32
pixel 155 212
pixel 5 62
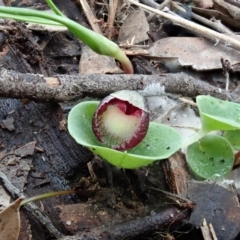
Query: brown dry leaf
pixel 134 29
pixel 232 10
pixel 10 221
pixel 203 3
pixel 198 53
pixel 92 62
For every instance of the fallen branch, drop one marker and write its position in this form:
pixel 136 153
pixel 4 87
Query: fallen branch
pixel 67 88
pixel 134 228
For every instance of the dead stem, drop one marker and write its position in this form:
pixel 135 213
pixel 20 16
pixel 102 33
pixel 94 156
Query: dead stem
pixel 111 16
pixel 90 16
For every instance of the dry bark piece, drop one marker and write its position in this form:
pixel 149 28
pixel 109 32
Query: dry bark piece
pixel 26 150
pixel 198 53
pixel 16 169
pixel 17 164
pixel 176 174
pixel 134 29
pixel 10 221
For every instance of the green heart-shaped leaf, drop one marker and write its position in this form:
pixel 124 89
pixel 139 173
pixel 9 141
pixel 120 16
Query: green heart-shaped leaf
pixel 210 157
pixel 218 114
pixel 233 137
pixel 160 142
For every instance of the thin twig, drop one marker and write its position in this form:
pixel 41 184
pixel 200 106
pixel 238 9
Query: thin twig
pixel 111 16
pixel 194 27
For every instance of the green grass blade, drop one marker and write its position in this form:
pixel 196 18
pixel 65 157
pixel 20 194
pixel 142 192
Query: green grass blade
pixel 95 41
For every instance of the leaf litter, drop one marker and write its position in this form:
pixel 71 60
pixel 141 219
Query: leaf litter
pixel 185 48
pixel 10 221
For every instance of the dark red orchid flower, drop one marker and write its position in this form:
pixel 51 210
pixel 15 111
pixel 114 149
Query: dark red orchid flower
pixel 121 120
